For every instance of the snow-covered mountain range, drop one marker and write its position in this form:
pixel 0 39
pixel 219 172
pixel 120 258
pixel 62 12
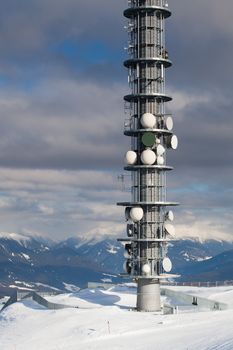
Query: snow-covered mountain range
pixel 34 260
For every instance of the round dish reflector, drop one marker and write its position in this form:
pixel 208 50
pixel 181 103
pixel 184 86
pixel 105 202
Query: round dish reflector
pixel 127 213
pixel 170 229
pixel 160 150
pixel 170 215
pixel 169 123
pixel 130 230
pixel 146 269
pixel 127 266
pixel 128 248
pixel 148 121
pixel 136 214
pixel 126 255
pixel 160 160
pixel 174 142
pixel 148 157
pixel 130 157
pixel 167 265
pixel 148 139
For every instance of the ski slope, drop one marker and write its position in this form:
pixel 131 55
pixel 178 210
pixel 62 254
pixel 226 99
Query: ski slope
pixel 103 321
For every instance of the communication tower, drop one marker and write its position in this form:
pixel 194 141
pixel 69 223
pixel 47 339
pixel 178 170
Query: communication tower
pixel 148 215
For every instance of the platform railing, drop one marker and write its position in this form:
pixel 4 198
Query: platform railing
pixel 159 3
pixel 200 284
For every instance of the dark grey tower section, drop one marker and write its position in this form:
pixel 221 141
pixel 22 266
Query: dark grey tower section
pixel 148 216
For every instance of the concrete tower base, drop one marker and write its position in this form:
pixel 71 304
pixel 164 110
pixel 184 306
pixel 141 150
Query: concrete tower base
pixel 148 295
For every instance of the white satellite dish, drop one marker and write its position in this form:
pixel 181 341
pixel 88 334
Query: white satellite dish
pixel 128 248
pixel 172 142
pixel 130 157
pixel 126 255
pixel 146 269
pixel 170 215
pixel 167 265
pixel 136 214
pixel 160 160
pixel 127 266
pixel 170 229
pixel 169 123
pixel 160 150
pixel 130 230
pixel 148 121
pixel 148 157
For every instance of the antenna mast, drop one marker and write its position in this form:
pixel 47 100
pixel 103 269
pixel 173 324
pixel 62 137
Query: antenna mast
pixel 149 227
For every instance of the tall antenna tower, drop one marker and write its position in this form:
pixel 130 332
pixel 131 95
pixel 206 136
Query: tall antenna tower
pixel 149 227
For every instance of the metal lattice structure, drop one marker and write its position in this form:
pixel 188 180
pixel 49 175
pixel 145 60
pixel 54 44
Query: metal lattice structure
pixel 150 129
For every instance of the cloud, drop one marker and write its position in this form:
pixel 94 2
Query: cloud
pixel 62 124
pixel 59 203
pixel 195 226
pixel 31 31
pixel 61 102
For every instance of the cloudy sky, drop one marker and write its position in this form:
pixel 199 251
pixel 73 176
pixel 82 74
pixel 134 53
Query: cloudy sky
pixel 61 112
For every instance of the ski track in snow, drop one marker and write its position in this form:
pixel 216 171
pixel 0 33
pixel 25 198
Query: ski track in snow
pixel 107 324
pixel 226 345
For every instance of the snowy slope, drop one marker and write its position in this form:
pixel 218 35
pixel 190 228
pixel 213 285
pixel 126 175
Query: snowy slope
pixel 106 323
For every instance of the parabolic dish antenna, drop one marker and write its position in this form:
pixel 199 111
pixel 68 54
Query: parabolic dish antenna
pixel 148 157
pixel 136 214
pixel 160 160
pixel 148 139
pixel 146 269
pixel 167 264
pixel 148 121
pixel 169 123
pixel 160 150
pixel 127 266
pixel 131 158
pixel 170 229
pixel 174 142
pixel 130 230
pixel 170 215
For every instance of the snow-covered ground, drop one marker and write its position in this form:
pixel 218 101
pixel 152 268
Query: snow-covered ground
pixel 105 322
pixel 3 301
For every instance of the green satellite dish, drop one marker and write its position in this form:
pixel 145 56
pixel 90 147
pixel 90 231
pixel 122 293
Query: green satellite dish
pixel 148 139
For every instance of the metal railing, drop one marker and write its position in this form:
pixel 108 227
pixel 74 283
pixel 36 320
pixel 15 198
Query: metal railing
pixel 140 3
pixel 200 284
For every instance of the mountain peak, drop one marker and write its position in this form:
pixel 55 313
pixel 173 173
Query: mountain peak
pixel 20 238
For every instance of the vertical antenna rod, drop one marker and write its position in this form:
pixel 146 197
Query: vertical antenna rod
pixel 149 227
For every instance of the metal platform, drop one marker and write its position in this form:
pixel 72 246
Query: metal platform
pixel 155 277
pixel 136 132
pixel 154 96
pixel 143 204
pixel 133 11
pixel 156 167
pixel 134 61
pixel 145 240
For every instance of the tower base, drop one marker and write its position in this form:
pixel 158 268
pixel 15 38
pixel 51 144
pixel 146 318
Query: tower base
pixel 148 295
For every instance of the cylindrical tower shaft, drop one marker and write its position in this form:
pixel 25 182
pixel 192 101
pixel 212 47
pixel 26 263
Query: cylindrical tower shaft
pixel 150 129
pixel 148 295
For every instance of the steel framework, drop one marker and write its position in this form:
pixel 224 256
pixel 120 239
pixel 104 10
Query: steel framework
pixel 148 219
